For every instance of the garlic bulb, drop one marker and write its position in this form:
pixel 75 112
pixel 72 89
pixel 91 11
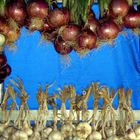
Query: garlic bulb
pixel 19 135
pixel 95 135
pixel 55 135
pixel 3 138
pixel 45 133
pixel 130 134
pixel 137 130
pixel 67 130
pixel 35 136
pixel 27 129
pixel 83 130
pixel 2 127
pixel 113 138
pixel 9 131
pixel 110 132
pixel 138 137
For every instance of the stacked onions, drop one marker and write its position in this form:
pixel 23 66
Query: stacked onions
pixel 56 24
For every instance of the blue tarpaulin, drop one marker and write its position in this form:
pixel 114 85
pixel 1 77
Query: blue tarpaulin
pixel 114 65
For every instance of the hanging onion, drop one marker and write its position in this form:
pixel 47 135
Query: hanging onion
pixel 92 24
pixel 70 32
pixel 108 30
pixel 38 9
pixel 58 17
pixel 86 40
pixel 62 46
pixel 16 11
pixel 132 19
pixel 118 8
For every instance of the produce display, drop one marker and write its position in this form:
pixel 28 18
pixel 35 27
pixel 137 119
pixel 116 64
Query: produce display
pixel 77 124
pixel 71 26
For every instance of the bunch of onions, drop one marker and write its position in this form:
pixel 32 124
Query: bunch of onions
pixel 37 12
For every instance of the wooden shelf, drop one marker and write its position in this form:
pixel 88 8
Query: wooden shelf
pixel 50 114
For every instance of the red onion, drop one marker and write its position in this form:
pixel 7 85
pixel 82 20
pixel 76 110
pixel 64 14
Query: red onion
pixel 67 14
pixel 92 24
pixel 38 9
pixel 132 19
pixel 62 46
pixel 108 30
pixel 8 69
pixel 86 40
pixel 119 8
pixel 58 17
pixel 16 11
pixel 70 32
pixel 3 73
pixel 3 60
pixel 46 26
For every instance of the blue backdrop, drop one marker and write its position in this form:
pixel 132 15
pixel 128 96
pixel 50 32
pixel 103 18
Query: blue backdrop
pixel 36 62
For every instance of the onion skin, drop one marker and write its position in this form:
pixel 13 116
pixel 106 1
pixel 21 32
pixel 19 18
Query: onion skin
pixel 70 32
pixel 38 9
pixel 16 11
pixel 58 17
pixel 132 19
pixel 12 35
pixel 66 14
pixel 86 40
pixel 34 23
pixel 108 30
pixel 62 47
pixel 3 26
pixel 46 26
pixel 92 24
pixel 118 8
